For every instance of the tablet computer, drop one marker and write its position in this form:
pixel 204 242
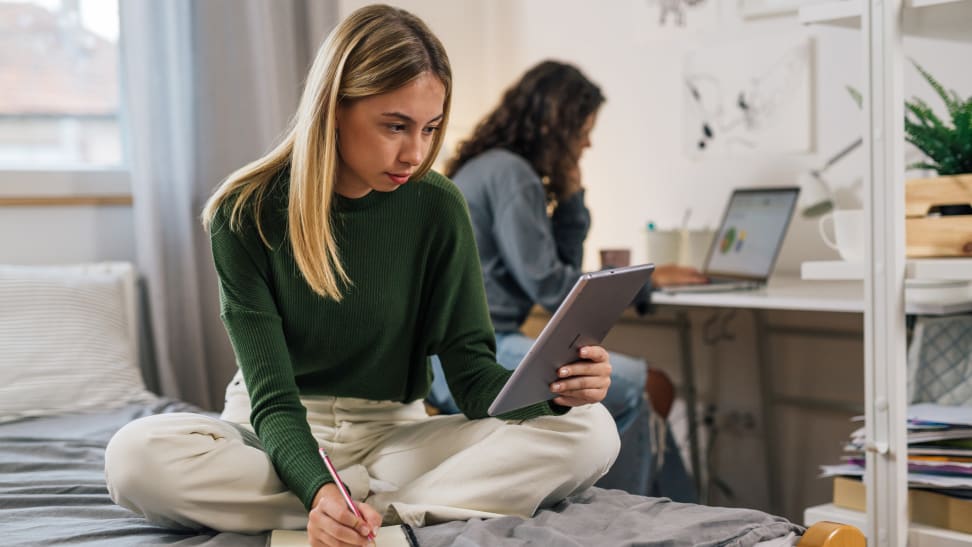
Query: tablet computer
pixel 584 318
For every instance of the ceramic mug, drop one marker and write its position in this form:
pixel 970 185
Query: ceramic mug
pixel 615 258
pixel 849 233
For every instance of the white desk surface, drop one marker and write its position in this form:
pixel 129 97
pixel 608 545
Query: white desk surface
pixel 782 293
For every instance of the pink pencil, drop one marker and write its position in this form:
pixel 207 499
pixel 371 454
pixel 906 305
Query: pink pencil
pixel 340 485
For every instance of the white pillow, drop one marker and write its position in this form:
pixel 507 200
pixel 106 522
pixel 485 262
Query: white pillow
pixel 68 340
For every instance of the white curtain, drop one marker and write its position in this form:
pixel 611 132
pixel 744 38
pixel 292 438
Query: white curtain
pixel 209 86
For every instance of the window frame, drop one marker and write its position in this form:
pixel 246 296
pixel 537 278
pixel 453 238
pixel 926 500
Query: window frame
pixel 22 184
pixel 55 184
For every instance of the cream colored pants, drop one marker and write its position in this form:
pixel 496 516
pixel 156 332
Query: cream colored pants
pixel 194 471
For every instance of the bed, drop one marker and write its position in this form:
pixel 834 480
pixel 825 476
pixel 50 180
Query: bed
pixel 52 487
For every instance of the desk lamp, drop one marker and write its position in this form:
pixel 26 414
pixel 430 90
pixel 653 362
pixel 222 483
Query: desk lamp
pixel 817 192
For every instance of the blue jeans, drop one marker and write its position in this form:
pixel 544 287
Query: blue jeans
pixel 638 469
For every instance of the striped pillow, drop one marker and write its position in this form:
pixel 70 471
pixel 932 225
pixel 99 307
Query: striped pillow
pixel 67 340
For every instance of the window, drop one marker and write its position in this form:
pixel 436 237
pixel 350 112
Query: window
pixel 59 85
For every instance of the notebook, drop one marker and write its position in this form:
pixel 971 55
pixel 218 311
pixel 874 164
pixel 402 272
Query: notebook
pixel 744 249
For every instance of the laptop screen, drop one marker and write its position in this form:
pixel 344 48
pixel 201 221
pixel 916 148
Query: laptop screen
pixel 752 232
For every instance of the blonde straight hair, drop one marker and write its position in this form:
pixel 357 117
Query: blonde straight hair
pixel 375 50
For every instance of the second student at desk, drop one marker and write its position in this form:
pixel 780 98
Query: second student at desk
pixel 519 173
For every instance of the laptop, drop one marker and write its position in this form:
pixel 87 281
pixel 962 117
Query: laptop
pixel 744 248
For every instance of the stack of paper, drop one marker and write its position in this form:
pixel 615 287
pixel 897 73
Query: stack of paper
pixel 939 450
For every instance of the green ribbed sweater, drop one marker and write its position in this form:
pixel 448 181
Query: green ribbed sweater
pixel 417 290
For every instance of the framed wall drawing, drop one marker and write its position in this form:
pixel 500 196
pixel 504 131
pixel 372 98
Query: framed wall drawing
pixel 750 97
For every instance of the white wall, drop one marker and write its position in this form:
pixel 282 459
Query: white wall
pixel 65 235
pixel 636 169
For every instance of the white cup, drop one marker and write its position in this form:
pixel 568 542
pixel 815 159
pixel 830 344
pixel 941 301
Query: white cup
pixel 694 247
pixel 849 233
pixel 662 246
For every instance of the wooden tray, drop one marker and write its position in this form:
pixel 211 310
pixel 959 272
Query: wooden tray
pixel 928 236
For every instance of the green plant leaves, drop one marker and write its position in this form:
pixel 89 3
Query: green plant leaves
pixel 948 147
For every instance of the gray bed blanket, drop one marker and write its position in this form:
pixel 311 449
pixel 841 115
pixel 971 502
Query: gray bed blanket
pixel 52 486
pixel 52 492
pixel 607 518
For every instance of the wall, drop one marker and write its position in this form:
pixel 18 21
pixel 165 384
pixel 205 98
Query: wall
pixel 64 234
pixel 637 150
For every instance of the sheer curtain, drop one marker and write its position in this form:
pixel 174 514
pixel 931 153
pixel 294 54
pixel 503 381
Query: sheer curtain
pixel 209 87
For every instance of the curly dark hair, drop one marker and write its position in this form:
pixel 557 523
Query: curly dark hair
pixel 539 118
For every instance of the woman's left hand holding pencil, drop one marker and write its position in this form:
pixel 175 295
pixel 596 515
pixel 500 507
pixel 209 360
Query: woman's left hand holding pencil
pixel 331 522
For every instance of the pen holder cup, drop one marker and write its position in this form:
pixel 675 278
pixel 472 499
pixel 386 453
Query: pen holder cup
pixel 662 246
pixel 615 258
pixel 694 246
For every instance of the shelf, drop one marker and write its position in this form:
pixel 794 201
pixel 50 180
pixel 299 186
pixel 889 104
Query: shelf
pixel 927 3
pixel 938 308
pixel 946 16
pixel 845 13
pixel 939 268
pixel 916 268
pixel 918 534
pixel 936 286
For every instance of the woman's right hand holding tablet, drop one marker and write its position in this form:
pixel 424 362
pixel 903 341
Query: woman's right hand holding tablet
pixel 585 381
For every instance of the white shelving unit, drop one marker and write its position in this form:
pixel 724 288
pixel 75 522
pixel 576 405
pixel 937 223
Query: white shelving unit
pixel 946 19
pixel 940 268
pixel 953 295
pixel 915 268
pixel 837 12
pixel 928 3
pixel 883 23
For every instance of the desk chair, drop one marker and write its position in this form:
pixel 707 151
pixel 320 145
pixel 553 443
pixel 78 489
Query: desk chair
pixel 661 392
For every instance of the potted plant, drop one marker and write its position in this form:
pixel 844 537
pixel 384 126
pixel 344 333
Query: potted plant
pixel 939 209
pixel 948 147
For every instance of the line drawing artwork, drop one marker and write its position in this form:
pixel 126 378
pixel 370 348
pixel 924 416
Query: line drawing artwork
pixel 652 20
pixel 675 9
pixel 748 98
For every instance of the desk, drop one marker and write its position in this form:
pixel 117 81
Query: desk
pixel 781 293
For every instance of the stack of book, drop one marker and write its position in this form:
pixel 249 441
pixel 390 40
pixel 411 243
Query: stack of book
pixel 939 467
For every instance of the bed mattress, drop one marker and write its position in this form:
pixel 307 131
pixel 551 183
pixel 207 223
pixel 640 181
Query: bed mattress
pixel 52 492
